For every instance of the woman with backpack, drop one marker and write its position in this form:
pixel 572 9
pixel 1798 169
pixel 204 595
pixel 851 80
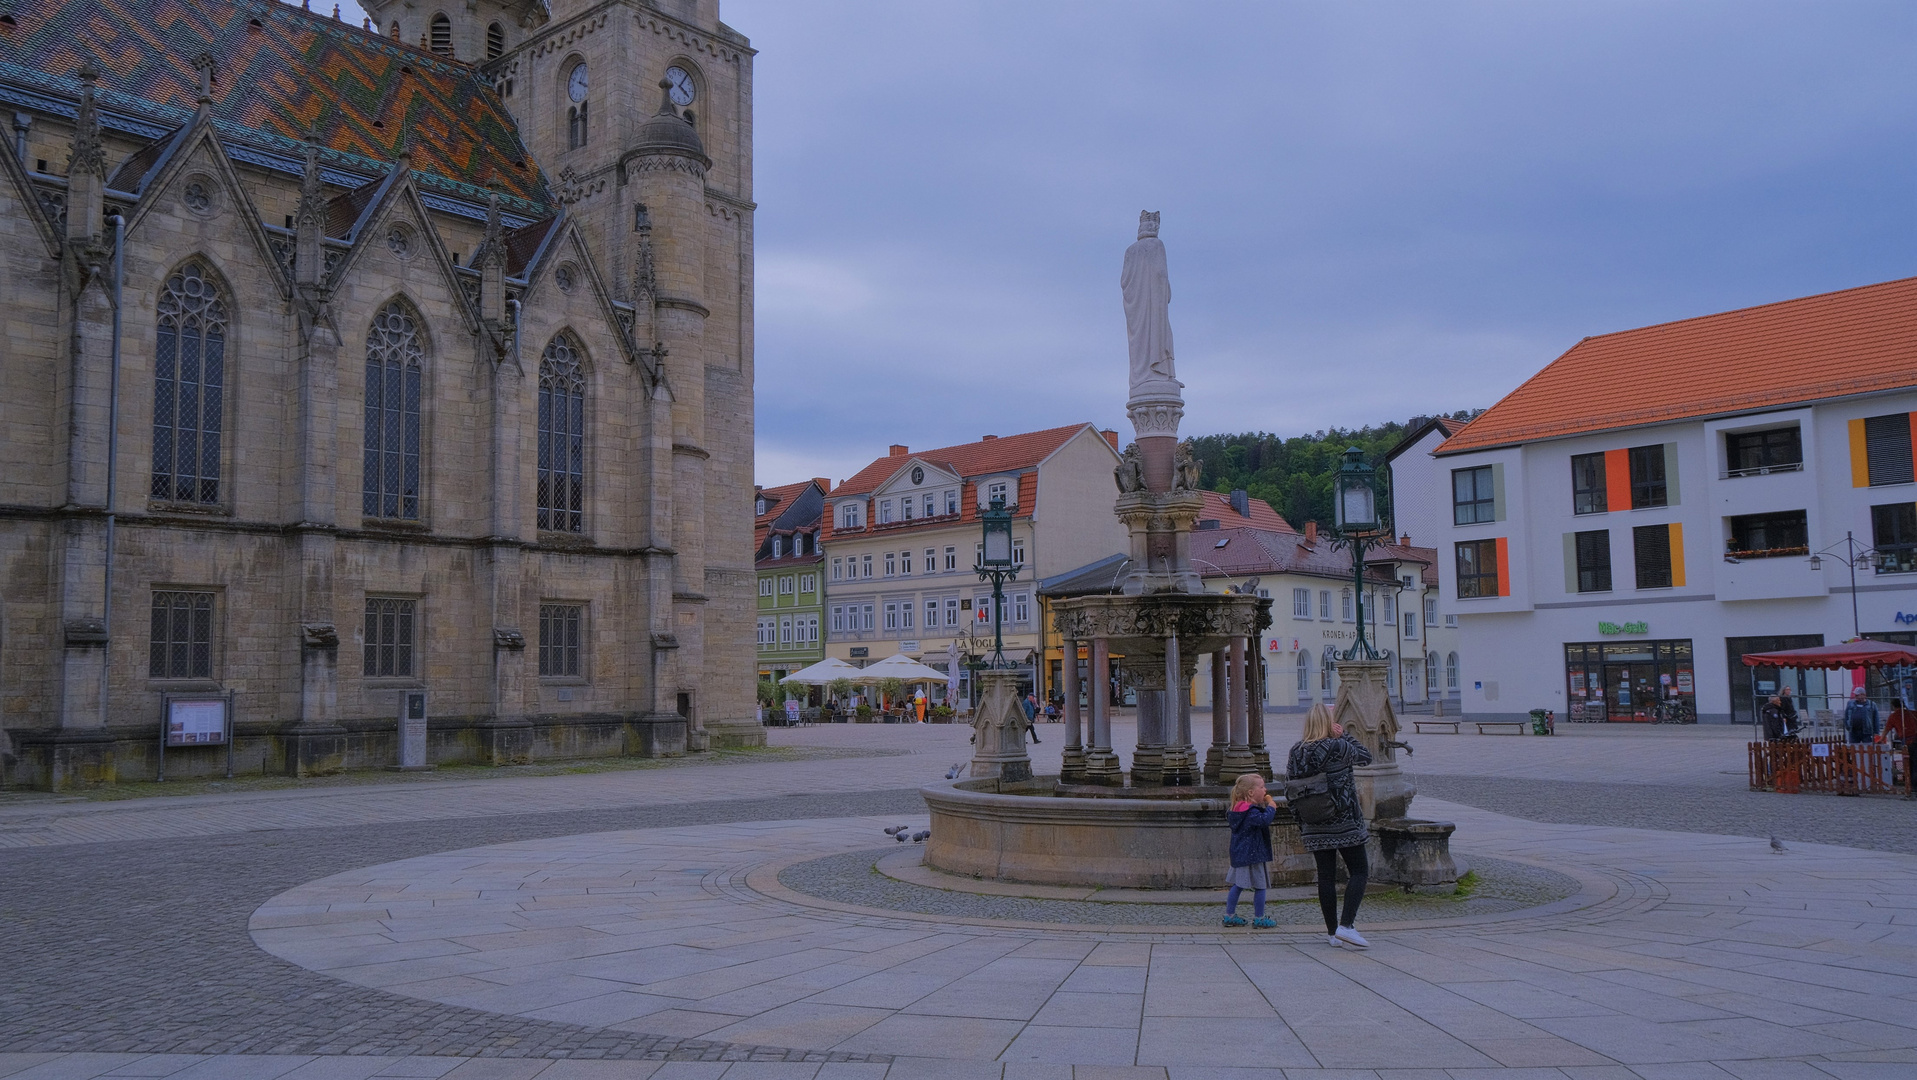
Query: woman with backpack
pixel 1323 795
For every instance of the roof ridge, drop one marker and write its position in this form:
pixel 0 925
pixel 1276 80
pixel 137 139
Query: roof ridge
pixel 1741 310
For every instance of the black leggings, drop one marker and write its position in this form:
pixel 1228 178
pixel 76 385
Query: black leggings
pixel 1357 869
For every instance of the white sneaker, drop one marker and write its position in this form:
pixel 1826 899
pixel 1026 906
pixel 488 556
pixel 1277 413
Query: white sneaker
pixel 1334 942
pixel 1352 938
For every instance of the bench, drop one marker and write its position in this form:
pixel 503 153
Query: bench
pixel 1452 724
pixel 1517 726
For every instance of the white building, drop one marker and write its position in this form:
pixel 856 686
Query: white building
pixel 1636 517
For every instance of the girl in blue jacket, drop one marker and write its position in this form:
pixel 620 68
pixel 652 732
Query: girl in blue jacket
pixel 1252 809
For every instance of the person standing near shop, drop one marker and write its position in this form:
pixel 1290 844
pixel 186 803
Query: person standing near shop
pixel 1861 722
pixel 1779 722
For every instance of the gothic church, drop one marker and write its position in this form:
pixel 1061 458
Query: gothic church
pixel 345 364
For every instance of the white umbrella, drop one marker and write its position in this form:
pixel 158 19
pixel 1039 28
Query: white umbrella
pixel 903 668
pixel 823 672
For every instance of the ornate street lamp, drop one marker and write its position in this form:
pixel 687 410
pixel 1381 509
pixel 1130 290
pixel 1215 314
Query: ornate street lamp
pixel 1355 514
pixel 1854 552
pixel 996 564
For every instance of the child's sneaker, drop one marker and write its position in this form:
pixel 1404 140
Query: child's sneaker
pixel 1234 920
pixel 1352 938
pixel 1264 922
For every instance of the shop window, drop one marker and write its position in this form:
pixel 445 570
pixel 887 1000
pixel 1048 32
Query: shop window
pixel 1594 561
pixel 1886 446
pixel 1894 534
pixel 1648 482
pixel 1651 548
pixel 1756 453
pixel 1587 484
pixel 1477 565
pixel 1473 496
pixel 1769 536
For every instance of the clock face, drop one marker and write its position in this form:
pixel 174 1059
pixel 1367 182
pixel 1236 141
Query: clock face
pixel 681 81
pixel 576 83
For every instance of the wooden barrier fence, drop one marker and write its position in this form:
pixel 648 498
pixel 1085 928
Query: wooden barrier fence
pixel 1839 768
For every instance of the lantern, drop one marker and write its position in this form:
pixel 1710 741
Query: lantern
pixel 998 536
pixel 1356 508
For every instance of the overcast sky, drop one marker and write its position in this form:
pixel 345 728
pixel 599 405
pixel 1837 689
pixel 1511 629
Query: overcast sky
pixel 1371 210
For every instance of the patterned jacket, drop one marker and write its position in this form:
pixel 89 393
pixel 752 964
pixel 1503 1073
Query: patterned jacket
pixel 1336 756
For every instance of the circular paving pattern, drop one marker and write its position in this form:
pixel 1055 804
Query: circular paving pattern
pixel 854 878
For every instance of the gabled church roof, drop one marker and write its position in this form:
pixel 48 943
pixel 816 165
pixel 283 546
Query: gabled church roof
pixel 278 71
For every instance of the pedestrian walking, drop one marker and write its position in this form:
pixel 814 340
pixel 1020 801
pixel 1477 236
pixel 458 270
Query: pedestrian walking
pixel 1031 716
pixel 1252 809
pixel 1861 722
pixel 1339 831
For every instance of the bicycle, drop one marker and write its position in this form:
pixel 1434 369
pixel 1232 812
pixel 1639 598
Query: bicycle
pixel 1674 711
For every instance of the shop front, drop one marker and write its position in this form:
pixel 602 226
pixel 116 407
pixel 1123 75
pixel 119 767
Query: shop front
pixel 1630 681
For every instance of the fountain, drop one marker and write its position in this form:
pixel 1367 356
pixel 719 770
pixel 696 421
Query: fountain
pixel 1160 825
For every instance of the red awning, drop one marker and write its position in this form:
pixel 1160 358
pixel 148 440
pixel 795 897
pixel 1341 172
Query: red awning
pixel 1852 654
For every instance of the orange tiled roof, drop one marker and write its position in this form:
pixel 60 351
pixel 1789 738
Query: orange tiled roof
pixel 1001 454
pixel 1832 345
pixel 1218 506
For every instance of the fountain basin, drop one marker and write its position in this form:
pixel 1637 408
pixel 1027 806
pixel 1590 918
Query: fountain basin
pixel 1037 833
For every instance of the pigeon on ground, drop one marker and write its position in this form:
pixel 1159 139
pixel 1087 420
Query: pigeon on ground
pixel 954 772
pixel 896 829
pixel 1777 846
pixel 921 836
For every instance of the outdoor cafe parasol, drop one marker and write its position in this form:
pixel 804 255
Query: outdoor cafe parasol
pixel 1820 765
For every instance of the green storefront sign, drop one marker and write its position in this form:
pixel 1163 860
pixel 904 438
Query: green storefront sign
pixel 1624 628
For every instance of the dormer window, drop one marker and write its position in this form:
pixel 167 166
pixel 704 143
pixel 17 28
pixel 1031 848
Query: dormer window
pixel 760 512
pixel 885 512
pixel 951 500
pixel 849 516
pixel 997 492
pixel 778 543
pixel 931 506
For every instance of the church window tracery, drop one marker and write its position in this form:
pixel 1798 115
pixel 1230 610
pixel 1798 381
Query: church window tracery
pixel 394 355
pixel 189 386
pixel 562 441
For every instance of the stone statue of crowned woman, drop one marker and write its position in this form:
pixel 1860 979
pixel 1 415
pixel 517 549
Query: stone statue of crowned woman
pixel 1146 284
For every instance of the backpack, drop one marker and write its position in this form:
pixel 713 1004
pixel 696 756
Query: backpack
pixel 1310 800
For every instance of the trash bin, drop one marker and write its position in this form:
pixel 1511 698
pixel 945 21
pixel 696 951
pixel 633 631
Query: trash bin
pixel 1542 722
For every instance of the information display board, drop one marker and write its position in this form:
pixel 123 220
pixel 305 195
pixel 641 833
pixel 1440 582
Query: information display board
pixel 200 719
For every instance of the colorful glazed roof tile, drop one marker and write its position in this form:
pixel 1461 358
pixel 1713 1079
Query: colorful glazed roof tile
pixel 1857 341
pixel 278 72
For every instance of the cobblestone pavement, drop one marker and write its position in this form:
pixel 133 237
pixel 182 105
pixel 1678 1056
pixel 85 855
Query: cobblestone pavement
pixel 852 878
pixel 143 947
pixel 1682 955
pixel 1877 823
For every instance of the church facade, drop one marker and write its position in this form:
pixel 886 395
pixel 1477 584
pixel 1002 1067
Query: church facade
pixel 351 370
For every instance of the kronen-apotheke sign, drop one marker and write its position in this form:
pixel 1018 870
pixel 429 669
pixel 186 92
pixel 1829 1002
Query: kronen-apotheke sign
pixel 1639 627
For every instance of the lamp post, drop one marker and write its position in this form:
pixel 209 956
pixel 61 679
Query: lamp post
pixel 1854 553
pixel 995 563
pixel 1355 514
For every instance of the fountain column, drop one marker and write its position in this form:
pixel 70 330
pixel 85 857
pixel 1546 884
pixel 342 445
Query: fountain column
pixel 1148 756
pixel 1101 765
pixel 1238 759
pixel 1255 693
pixel 1220 716
pixel 1072 767
pixel 1180 760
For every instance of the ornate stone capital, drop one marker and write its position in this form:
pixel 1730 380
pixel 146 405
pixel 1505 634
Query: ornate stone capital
pixel 1156 417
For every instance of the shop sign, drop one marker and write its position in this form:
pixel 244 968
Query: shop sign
pixel 860 652
pixel 1684 685
pixel 1279 645
pixel 1906 617
pixel 1639 627
pixel 908 646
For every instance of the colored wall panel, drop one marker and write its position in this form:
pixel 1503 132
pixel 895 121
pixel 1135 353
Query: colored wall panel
pixel 1504 568
pixel 1617 479
pixel 1859 457
pixel 1677 554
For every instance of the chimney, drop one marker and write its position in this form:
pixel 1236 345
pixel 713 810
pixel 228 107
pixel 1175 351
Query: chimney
pixel 1311 534
pixel 900 451
pixel 987 438
pixel 825 486
pixel 1111 436
pixel 1241 502
pixel 1405 540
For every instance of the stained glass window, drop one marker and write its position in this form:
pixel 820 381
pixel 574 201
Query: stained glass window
pixel 189 379
pixel 391 481
pixel 562 440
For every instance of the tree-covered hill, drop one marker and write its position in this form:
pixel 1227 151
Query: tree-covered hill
pixel 1294 474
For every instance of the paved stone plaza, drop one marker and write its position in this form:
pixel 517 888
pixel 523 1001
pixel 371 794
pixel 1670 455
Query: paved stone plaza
pixel 634 924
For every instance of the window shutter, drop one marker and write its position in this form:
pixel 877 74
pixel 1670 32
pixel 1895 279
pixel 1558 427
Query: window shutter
pixel 1570 562
pixel 1859 456
pixel 1617 479
pixel 1497 492
pixel 1887 442
pixel 1677 553
pixel 1670 474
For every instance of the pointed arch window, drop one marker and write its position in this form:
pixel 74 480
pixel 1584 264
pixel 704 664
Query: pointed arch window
pixel 562 439
pixel 576 125
pixel 189 387
pixel 442 34
pixel 495 41
pixel 394 358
